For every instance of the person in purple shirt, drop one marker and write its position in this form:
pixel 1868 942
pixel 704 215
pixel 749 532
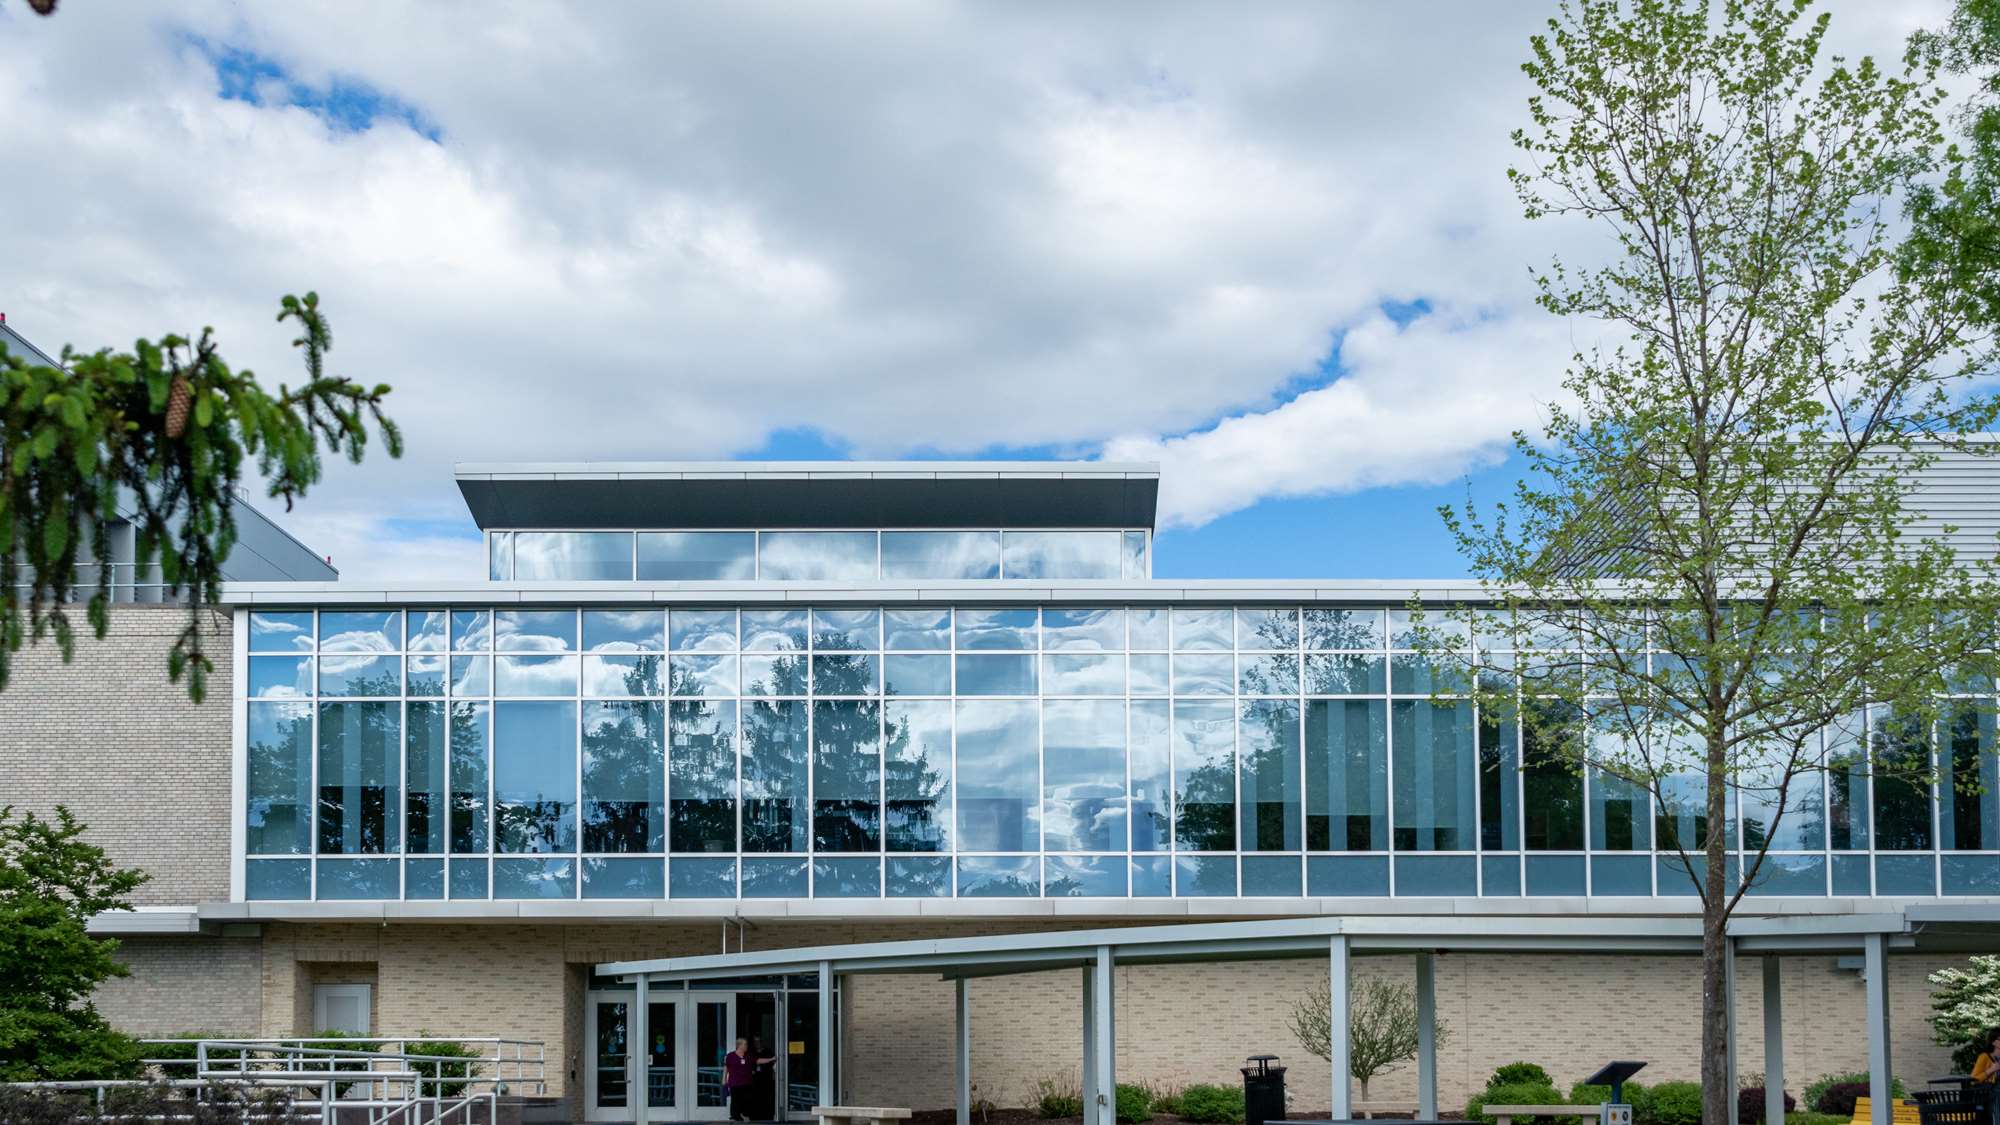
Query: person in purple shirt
pixel 738 1072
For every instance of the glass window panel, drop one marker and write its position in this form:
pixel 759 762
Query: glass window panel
pixel 701 777
pixel 916 630
pixel 847 775
pixel 1085 876
pixel 535 675
pixel 1851 875
pixel 1499 783
pixel 1551 787
pixel 471 630
pixel 1271 876
pixel 847 878
pixel 278 781
pixel 1266 629
pixel 624 878
pixel 1442 625
pixel 472 675
pixel 1900 748
pixel 701 878
pixel 343 675
pixel 427 630
pixel 622 781
pixel 1621 875
pixel 702 675
pixel 1072 629
pixel 1556 875
pixel 993 674
pixel 265 880
pixel 1266 673
pixel 1148 673
pixel 1150 771
pixel 774 776
pixel 1327 628
pixel 1344 674
pixel 1963 874
pixel 1083 674
pixel 534 878
pixel 1268 746
pixel 1062 554
pixel 1847 783
pixel 775 630
pixel 816 556
pixel 1347 775
pixel 1083 776
pixel 1347 876
pixel 470 723
pixel 534 777
pixel 1620 809
pixel 1152 876
pixel 622 677
pixel 1790 875
pixel 1969 804
pixel 853 673
pixel 1792 814
pixel 842 630
pixel 1204 674
pixel 1205 775
pixel 1905 875
pixel 919 876
pixel 916 763
pixel 359 748
pixel 917 675
pixel 280 677
pixel 999 746
pixel 702 630
pixel 424 778
pixel 500 556
pixel 281 632
pixel 1135 556
pixel 1500 876
pixel 1682 818
pixel 1204 876
pixel 697 556
pixel 361 631
pixel 624 630
pixel 775 878
pixel 1412 674
pixel 997 876
pixel 776 675
pixel 535 630
pixel 1437 876
pixel 349 879
pixel 424 674
pixel 940 554
pixel 1146 627
pixel 468 878
pixel 1203 630
pixel 1434 802
pixel 997 629
pixel 572 556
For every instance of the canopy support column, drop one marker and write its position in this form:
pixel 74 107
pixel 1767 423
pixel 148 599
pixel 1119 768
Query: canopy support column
pixel 1337 967
pixel 1104 1045
pixel 963 1055
pixel 827 1094
pixel 1774 1042
pixel 1875 948
pixel 1427 1078
pixel 641 1038
pixel 1090 1115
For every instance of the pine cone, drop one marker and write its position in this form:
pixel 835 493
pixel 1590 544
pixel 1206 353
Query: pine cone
pixel 180 402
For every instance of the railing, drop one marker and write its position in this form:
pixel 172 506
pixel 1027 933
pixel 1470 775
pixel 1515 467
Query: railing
pixel 508 1066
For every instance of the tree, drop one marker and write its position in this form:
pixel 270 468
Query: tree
pixel 1964 1007
pixel 51 884
pixel 1708 571
pixel 1381 1026
pixel 166 428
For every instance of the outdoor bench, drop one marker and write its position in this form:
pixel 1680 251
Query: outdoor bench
pixel 858 1114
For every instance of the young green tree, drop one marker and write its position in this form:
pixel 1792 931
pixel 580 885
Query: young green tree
pixel 1381 1026
pixel 169 430
pixel 1710 572
pixel 51 884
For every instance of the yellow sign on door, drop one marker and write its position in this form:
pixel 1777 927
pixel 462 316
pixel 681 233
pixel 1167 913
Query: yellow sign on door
pixel 796 1047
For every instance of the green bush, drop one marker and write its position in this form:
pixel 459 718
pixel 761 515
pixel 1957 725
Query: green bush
pixel 1060 1096
pixel 1518 1093
pixel 1520 1073
pixel 1166 1098
pixel 1816 1091
pixel 1672 1103
pixel 1135 1103
pixel 1808 1117
pixel 1635 1096
pixel 1213 1105
pixel 460 1066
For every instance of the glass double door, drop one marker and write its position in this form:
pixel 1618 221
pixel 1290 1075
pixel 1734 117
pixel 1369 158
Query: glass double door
pixel 677 1044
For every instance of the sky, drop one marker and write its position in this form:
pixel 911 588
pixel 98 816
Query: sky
pixel 1270 246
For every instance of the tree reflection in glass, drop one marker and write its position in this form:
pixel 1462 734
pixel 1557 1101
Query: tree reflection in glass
pixel 622 781
pixel 916 762
pixel 702 776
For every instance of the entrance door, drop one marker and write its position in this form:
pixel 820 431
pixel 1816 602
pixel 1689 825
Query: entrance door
pixel 711 1034
pixel 681 1046
pixel 607 1085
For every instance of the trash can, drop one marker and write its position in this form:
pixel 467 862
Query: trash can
pixel 1263 1090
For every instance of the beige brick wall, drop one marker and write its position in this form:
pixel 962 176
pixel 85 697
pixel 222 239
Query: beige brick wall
pixel 182 984
pixel 108 736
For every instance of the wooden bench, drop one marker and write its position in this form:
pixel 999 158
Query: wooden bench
pixel 1505 1114
pixel 858 1114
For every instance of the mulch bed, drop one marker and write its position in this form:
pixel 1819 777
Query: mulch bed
pixel 1030 1117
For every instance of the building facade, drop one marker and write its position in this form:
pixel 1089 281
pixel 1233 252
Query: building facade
pixel 702 707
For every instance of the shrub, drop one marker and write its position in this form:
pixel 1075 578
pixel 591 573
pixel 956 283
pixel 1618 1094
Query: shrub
pixel 1135 1103
pixel 1816 1092
pixel 1519 1073
pixel 1807 1117
pixel 1635 1096
pixel 1750 1105
pixel 1518 1093
pixel 222 1105
pixel 1213 1105
pixel 1673 1103
pixel 443 1049
pixel 1060 1096
pixel 1166 1097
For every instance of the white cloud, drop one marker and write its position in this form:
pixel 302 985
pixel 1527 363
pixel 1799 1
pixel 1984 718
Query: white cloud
pixel 667 231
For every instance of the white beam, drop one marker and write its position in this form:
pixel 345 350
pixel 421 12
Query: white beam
pixel 640 1034
pixel 827 1094
pixel 1090 1114
pixel 1337 978
pixel 1876 953
pixel 964 1055
pixel 1427 1077
pixel 1774 1042
pixel 1104 1032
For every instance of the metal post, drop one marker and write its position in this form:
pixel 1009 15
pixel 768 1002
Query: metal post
pixel 1337 958
pixel 827 1095
pixel 1875 948
pixel 1090 1114
pixel 964 1056
pixel 1774 1042
pixel 1427 1077
pixel 642 1062
pixel 1105 1031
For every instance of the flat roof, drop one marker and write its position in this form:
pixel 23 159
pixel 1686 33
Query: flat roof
pixel 803 494
pixel 1109 591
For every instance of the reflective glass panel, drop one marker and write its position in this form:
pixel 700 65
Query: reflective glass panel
pixel 1205 775
pixel 701 675
pixel 996 674
pixel 1265 629
pixel 1070 629
pixel 847 878
pixel 1434 806
pixel 623 676
pixel 355 675
pixel 1551 787
pixel 472 675
pixel 1202 673
pixel 278 781
pixel 916 630
pixel 774 776
pixel 1150 758
pixel 622 781
pixel 424 778
pixel 701 789
pixel 1204 630
pixel 1343 673
pixel 1899 746
pixel 281 632
pixel 1148 674
pixel 702 630
pixel 535 675
pixel 999 747
pixel 846 673
pixel 1847 783
pixel 624 630
pixel 1266 673
pixel 916 765
pixel 534 777
pixel 1347 775
pixel 535 630
pixel 1326 628
pixel 424 674
pixel 1083 674
pixel 427 630
pixel 359 748
pixel 816 556
pixel 1969 801
pixel 1268 736
pixel 471 630
pixel 1146 627
pixel 847 775
pixel 1085 876
pixel 919 876
pixel 470 723
pixel 361 631
pixel 941 554
pixel 624 878
pixel 697 556
pixel 572 556
pixel 997 629
pixel 917 675
pixel 775 630
pixel 846 629
pixel 775 675
pixel 1135 556
pixel 1083 776
pixel 1499 783
pixel 280 677
pixel 1062 554
pixel 998 876
pixel 500 556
